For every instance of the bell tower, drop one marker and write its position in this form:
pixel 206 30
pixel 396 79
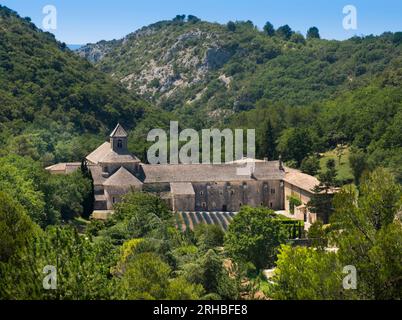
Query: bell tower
pixel 118 140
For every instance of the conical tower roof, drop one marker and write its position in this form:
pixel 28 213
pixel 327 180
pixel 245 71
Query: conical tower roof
pixel 119 132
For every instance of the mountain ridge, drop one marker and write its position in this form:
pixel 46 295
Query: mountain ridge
pixel 218 70
pixel 51 99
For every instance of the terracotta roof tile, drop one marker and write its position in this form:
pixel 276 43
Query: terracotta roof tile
pixel 300 179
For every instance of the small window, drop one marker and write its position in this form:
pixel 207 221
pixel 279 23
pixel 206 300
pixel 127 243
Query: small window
pixel 201 193
pixel 232 192
pixel 120 144
pixel 240 205
pixel 271 205
pixel 204 205
pixel 273 191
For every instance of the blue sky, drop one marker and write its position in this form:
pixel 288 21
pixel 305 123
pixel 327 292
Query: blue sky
pixel 83 21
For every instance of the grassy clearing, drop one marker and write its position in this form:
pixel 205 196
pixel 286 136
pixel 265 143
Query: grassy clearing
pixel 343 167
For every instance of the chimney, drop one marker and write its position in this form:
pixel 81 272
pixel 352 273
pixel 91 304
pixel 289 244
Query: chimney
pixel 281 163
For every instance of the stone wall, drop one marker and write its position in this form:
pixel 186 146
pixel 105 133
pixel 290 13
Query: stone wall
pixel 224 196
pixel 183 203
pixel 291 190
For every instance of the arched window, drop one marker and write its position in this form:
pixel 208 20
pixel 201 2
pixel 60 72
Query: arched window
pixel 120 144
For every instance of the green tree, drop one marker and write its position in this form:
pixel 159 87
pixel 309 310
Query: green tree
pixel 321 202
pixel 209 271
pixel 267 145
pixel 285 32
pixel 140 214
pixel 209 236
pixel 89 195
pixel 193 19
pixel 313 33
pixel 254 236
pixel 82 268
pixel 269 29
pixel 16 228
pixel 231 26
pixel 397 39
pixel 140 201
pixel 69 194
pixel 294 202
pixel 297 38
pixel 317 235
pixel 146 277
pixel 180 18
pixel 358 164
pixel 368 232
pixel 307 274
pixel 23 180
pixel 328 178
pixel 295 144
pixel 181 289
pixel 310 165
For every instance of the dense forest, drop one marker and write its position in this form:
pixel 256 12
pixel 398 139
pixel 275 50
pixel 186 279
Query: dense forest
pixel 54 106
pixel 304 96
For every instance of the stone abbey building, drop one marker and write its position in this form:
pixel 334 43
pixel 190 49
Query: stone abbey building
pixel 191 187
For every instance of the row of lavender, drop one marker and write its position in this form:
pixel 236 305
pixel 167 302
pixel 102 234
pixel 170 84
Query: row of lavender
pixel 189 220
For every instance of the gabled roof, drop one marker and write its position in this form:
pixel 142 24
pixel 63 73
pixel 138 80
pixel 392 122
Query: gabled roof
pixel 65 168
pixel 105 154
pixel 122 178
pixel 119 132
pixel 96 172
pixel 210 172
pixel 301 180
pixel 182 188
pixel 113 157
pixel 99 153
